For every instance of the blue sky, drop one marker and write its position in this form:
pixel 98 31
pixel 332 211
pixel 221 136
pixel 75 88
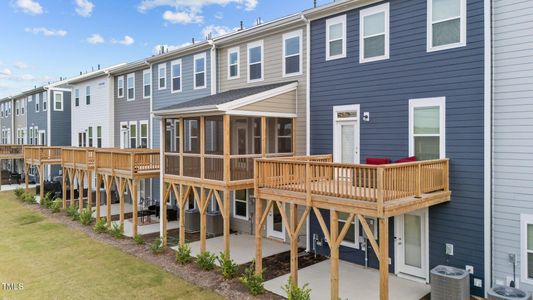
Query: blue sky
pixel 45 39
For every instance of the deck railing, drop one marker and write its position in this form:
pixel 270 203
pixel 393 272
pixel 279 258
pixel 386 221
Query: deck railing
pixel 42 154
pixel 127 161
pixel 318 176
pixel 11 150
pixel 78 157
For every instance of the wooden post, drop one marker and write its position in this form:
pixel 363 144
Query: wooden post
pixel 381 191
pixel 72 177
pixel 41 182
pixel 202 147
pixel 26 179
pixel 121 200
pixel 227 149
pixel 98 185
pixel 182 202
pixel 293 134
pixel 134 200
pixel 109 183
pixel 81 177
pixel 263 136
pixel 163 216
pixel 383 259
pixel 226 220
pixel 89 190
pixel 418 181
pixel 334 254
pixel 447 176
pixel 294 242
pixel 203 220
pixel 258 233
pixel 64 187
pixel 181 145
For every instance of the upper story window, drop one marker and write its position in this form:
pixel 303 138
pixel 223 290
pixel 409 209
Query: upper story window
pixel 427 128
pixel 292 53
pixel 162 76
pixel 88 95
pixel 2 110
pixel 374 33
pixel 77 97
pixel 58 101
pixel 45 101
pixel 526 247
pixel 17 107
pixel 38 102
pixel 131 86
pixel 336 37
pixel 147 84
pixel 233 63
pixel 446 26
pixel 175 68
pixel 120 87
pixel 22 106
pixel 199 71
pixel 255 61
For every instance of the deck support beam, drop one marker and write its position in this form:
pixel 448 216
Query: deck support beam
pixel 41 182
pixel 81 177
pixel 64 187
pixel 72 176
pixel 89 190
pixel 383 259
pixel 334 254
pixel 98 184
pixel 108 183
pixel 26 178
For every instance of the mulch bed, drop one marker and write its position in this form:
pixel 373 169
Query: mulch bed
pixel 212 280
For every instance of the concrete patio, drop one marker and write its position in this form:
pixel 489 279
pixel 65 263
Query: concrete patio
pixel 242 247
pixel 115 209
pixel 356 282
pixel 146 229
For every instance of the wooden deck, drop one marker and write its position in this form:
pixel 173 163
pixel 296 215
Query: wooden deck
pixel 11 152
pixel 78 158
pixel 128 163
pixel 42 155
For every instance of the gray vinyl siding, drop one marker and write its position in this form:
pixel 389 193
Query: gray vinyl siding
pixel 132 110
pixel 60 121
pixel 383 89
pixel 37 119
pixel 20 120
pixel 6 122
pixel 272 73
pixel 513 132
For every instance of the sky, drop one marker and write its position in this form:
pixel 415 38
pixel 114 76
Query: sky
pixel 43 40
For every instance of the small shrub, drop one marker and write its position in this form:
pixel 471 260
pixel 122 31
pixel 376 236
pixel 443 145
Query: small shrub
pixel 253 281
pixel 117 230
pixel 183 254
pixel 47 200
pixel 139 240
pixel 56 206
pixel 228 267
pixel 86 217
pixel 18 192
pixel 29 198
pixel 73 212
pixel 296 293
pixel 206 260
pixel 101 226
pixel 157 246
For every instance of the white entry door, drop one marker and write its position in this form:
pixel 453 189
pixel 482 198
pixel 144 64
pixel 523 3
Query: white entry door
pixel 411 244
pixel 346 134
pixel 275 226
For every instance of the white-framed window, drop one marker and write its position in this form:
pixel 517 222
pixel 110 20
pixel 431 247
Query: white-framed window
pixel 526 248
pixel 351 239
pixel 292 53
pixel 336 37
pixel 17 108
pixel 31 135
pixel 175 69
pixel 90 136
pixel 284 135
pixel 22 106
pixel 233 63
pixel 77 97
pixel 58 101
pixel 30 99
pixel 133 134
pixel 38 102
pixel 446 24
pixel 2 110
pixel 120 87
pixel 99 136
pixel 147 84
pixel 427 128
pixel 374 33
pixel 88 95
pixel 200 71
pixel 162 76
pixel 45 101
pixel 36 136
pixel 240 204
pixel 130 84
pixel 143 134
pixel 255 61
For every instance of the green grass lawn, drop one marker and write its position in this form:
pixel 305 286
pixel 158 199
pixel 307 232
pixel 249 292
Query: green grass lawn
pixel 53 261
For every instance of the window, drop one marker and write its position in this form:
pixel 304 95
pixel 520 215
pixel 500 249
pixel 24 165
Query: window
pixel 144 134
pixel 240 204
pixel 22 105
pixel 77 97
pixel 233 63
pixel 351 238
pixel 90 136
pixel 17 107
pixel 175 68
pixel 58 101
pixel 292 53
pixel 255 61
pixel 36 136
pixel 88 95
pixel 446 24
pixel 45 101
pixel 336 37
pixel 38 102
pixel 147 84
pixel 162 73
pixel 2 110
pixel 191 141
pixel 526 246
pixel 199 71
pixel 99 136
pixel 120 87
pixel 133 134
pixel 427 128
pixel 31 135
pixel 257 136
pixel 284 135
pixel 131 86
pixel 374 34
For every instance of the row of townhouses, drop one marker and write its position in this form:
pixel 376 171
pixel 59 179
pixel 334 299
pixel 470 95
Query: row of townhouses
pixel 367 81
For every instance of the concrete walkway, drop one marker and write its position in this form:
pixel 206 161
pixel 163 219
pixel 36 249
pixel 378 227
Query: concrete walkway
pixel 242 247
pixel 11 187
pixel 356 282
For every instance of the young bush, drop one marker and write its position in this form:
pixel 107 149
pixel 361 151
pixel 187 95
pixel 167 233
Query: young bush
pixel 206 260
pixel 117 230
pixel 47 200
pixel 18 192
pixel 252 280
pixel 86 217
pixel 157 246
pixel 101 226
pixel 139 240
pixel 56 205
pixel 228 267
pixel 296 293
pixel 183 255
pixel 73 212
pixel 29 198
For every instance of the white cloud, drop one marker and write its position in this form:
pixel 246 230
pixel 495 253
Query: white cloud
pixel 30 7
pixel 95 39
pixel 45 31
pixel 84 8
pixel 5 72
pixel 215 30
pixel 157 48
pixel 182 17
pixel 219 15
pixel 25 77
pixel 127 40
pixel 20 65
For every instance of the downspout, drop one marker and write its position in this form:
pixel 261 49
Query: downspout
pixel 488 137
pixel 48 124
pixel 307 114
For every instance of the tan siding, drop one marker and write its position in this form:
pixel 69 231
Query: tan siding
pixel 272 73
pixel 284 103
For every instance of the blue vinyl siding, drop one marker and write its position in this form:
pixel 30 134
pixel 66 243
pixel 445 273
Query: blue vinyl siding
pixel 35 118
pixel 60 125
pixel 383 89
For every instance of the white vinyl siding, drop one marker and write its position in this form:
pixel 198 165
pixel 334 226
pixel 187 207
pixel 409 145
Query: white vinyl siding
pixel 175 69
pixel 255 61
pixel 292 53
pixel 446 24
pixel 336 37
pixel 374 33
pixel 200 71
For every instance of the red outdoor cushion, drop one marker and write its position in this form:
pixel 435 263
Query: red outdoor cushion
pixel 377 161
pixel 406 159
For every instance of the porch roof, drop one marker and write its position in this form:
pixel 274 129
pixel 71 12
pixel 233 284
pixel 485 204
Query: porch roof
pixel 229 100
